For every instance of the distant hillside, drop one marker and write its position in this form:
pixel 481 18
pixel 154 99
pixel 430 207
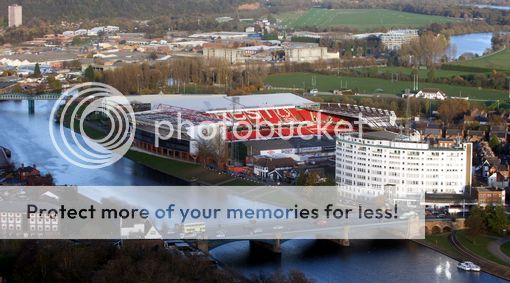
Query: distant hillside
pixel 136 9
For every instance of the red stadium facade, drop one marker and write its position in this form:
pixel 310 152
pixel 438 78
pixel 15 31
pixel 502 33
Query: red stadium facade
pixel 285 122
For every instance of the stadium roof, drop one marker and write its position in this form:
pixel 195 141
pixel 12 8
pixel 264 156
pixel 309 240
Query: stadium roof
pixel 221 103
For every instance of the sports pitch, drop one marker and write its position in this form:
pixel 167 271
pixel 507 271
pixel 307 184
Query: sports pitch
pixel 359 19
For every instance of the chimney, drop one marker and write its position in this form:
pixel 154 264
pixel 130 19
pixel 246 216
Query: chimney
pixel 33 165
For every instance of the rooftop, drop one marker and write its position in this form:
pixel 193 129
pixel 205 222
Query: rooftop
pixel 220 103
pixel 259 145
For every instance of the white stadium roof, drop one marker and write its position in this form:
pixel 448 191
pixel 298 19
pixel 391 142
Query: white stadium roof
pixel 221 103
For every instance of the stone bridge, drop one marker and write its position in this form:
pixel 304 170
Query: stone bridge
pixel 437 226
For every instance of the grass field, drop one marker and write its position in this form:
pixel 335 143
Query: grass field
pixel 422 72
pixel 371 85
pixel 498 61
pixel 181 170
pixel 478 245
pixel 441 242
pixel 360 19
pixel 505 248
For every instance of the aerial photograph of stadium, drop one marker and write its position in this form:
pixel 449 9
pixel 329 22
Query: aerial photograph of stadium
pixel 255 141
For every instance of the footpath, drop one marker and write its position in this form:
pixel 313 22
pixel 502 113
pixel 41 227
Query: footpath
pixel 486 265
pixel 495 249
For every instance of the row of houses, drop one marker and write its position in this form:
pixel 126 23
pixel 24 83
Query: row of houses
pixel 469 135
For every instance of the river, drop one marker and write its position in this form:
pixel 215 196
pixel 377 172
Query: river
pixel 476 43
pixel 496 7
pixel 365 261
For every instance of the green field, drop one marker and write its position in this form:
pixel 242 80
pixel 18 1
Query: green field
pixel 441 242
pixel 499 61
pixel 360 19
pixel 370 85
pixel 422 73
pixel 478 245
pixel 505 248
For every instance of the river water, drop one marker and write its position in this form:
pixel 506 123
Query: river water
pixel 476 43
pixel 496 7
pixel 365 261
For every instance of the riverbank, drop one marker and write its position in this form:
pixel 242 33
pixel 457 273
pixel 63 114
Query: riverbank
pixel 189 172
pixel 448 245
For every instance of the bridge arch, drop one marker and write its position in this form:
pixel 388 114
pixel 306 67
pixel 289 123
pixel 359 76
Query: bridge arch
pixel 436 229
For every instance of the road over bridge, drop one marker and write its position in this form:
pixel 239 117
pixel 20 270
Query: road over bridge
pixel 30 98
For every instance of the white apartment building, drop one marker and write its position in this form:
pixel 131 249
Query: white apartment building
pixel 15 15
pixel 14 223
pixel 394 39
pixel 386 162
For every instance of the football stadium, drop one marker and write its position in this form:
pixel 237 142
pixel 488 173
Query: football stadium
pixel 177 125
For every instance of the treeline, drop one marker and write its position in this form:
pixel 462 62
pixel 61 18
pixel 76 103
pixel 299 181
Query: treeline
pixel 30 29
pixel 92 9
pixel 426 50
pixel 454 10
pixel 101 261
pixel 491 219
pixel 176 75
pixel 500 41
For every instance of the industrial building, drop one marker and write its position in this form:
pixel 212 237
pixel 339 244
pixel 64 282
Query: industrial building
pixel 237 52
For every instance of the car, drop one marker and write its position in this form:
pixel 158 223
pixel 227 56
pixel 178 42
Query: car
pixel 408 214
pixel 220 234
pixel 278 227
pixel 314 92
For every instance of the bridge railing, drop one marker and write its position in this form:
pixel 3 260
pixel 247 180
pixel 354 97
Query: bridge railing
pixel 25 96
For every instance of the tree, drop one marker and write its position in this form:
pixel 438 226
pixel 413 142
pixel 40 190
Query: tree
pixel 451 109
pixel 76 40
pixel 213 148
pixel 153 56
pixel 17 89
pixel 54 84
pixel 307 179
pixel 431 75
pixel 37 70
pixel 426 50
pixel 476 221
pixel 271 18
pixel 495 144
pixel 89 74
pixel 498 220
